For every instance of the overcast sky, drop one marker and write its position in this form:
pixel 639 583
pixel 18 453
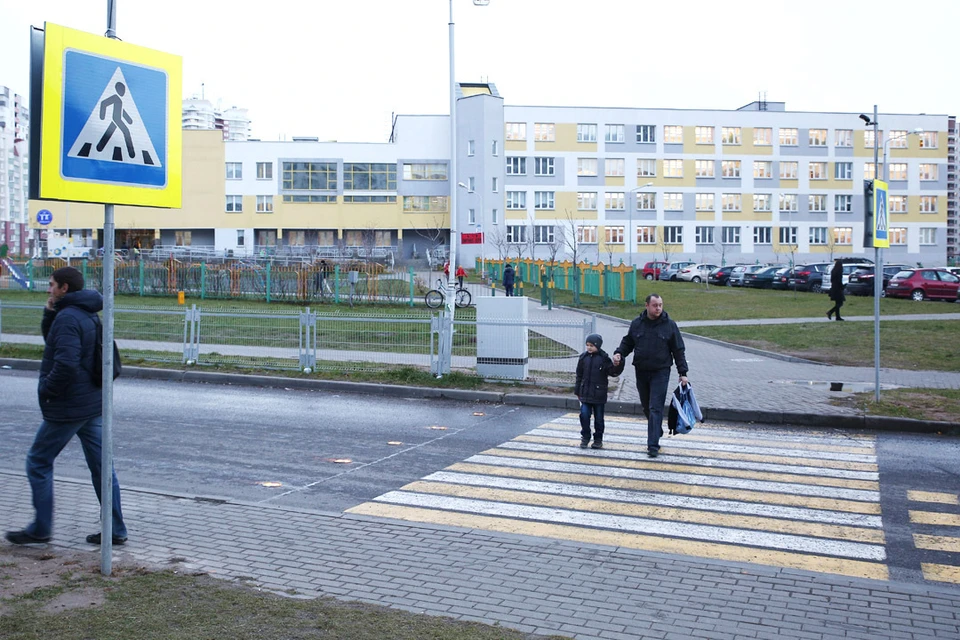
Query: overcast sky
pixel 337 69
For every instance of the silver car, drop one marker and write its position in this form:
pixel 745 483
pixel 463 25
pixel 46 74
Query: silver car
pixel 671 271
pixel 736 276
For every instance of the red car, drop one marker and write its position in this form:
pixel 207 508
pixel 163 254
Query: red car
pixel 921 284
pixel 651 270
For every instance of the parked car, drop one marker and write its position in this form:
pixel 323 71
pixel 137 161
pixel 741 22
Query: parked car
pixel 736 276
pixel 923 284
pixel 860 282
pixel 762 279
pixel 721 276
pixel 695 272
pixel 651 270
pixel 671 271
pixel 781 279
pixel 812 276
pixel 954 270
pixel 848 270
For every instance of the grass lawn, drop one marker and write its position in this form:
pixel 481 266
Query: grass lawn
pixel 919 404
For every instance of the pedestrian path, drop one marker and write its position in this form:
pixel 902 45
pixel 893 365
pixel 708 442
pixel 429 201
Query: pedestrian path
pixel 807 501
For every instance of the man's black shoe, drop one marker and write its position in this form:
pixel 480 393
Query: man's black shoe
pixel 584 443
pixel 597 444
pixel 22 537
pixel 94 538
pixel 652 453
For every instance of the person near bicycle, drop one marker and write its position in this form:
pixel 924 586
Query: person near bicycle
pixel 508 279
pixel 446 270
pixel 461 274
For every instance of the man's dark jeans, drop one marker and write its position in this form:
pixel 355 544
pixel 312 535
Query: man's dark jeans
pixel 652 386
pixel 598 425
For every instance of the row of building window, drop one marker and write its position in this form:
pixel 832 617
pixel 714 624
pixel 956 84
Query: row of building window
pixel 372 176
pixel 413 204
pixel 673 134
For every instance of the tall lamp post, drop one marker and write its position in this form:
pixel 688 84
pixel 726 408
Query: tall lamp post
pixel 630 234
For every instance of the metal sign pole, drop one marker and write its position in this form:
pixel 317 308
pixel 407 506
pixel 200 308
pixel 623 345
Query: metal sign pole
pixel 877 264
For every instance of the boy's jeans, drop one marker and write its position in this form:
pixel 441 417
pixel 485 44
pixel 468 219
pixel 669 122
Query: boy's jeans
pixel 586 408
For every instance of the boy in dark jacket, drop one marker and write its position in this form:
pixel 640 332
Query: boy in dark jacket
pixel 593 372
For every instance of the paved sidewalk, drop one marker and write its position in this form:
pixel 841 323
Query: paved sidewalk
pixel 530 584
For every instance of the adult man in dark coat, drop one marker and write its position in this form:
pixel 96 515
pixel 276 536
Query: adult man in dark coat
pixel 656 344
pixel 70 401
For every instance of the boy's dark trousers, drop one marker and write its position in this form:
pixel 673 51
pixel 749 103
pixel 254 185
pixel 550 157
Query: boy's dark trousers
pixel 586 408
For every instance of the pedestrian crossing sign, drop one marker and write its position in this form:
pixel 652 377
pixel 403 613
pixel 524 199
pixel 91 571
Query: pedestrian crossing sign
pixel 881 218
pixel 109 121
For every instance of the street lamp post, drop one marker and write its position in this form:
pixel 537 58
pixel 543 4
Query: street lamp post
pixel 632 236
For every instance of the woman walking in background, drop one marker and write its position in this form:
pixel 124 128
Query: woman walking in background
pixel 836 289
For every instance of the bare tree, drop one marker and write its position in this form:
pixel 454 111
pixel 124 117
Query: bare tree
pixel 568 232
pixel 498 240
pixel 436 234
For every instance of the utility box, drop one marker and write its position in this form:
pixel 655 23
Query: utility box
pixel 353 277
pixel 502 341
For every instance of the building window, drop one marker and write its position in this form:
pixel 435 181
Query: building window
pixel 704 235
pixel 788 235
pixel 818 170
pixel 494 148
pixel 703 135
pixel 419 204
pixel 897 139
pixel 788 137
pixel 587 235
pixel 928 235
pixel 471 216
pixel 898 171
pixel 817 137
pixel 296 238
pixel 240 237
pixel 234 171
pixel 471 147
pixel 897 204
pixel 844 137
pixel 843 203
pixel 868 140
pixel 183 238
pixel 264 171
pixel 761 201
pixel 587 201
pixel 313 199
pixel 516 234
pixel 673 235
pixel 613 235
pixel 495 184
pixel 425 171
pixel 730 135
pixel 762 169
pixel 928 140
pixel 614 201
pixel 351 199
pixel 516 166
pixel 586 166
pixel 264 204
pixel 898 235
pixel 843 171
pixel 544 132
pixel 673 134
pixel 515 131
pixel 763 137
pixel 646 168
pixel 704 168
pixel 843 235
pixel 869 171
pixel 614 167
pixel 928 171
pixel 705 202
pixel 543 166
pixel 731 202
pixel 516 199
pixel 586 133
pixel 673 168
pixel 646 133
pixel 818 235
pixel 928 204
pixel 646 235
pixel 646 201
pixel 730 235
pixel 471 184
pixel 762 235
pixel 818 203
pixel 366 176
pixel 495 216
pixel 543 199
pixel 234 204
pixel 673 202
pixel 788 170
pixel 730 168
pixel 543 234
pixel 613 133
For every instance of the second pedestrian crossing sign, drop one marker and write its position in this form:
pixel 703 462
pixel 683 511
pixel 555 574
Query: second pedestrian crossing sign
pixel 881 216
pixel 110 120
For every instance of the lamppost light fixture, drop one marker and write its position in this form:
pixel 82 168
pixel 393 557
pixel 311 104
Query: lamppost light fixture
pixel 481 3
pixel 460 184
pixel 866 119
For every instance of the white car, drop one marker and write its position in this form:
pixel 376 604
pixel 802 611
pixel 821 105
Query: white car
pixel 848 269
pixel 695 272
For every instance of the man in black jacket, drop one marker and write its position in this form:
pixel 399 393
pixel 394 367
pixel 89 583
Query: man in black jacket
pixel 70 401
pixel 656 344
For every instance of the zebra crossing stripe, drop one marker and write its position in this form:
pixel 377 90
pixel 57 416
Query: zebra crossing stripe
pixel 670 488
pixel 929 496
pixel 617 454
pixel 936 543
pixel 653 498
pixel 630 524
pixel 931 517
pixel 671 471
pixel 940 572
pixel 654 512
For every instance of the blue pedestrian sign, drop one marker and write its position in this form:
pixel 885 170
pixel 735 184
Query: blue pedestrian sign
pixel 881 218
pixel 44 217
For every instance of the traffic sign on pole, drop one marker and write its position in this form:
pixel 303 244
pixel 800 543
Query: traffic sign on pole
pixel 881 219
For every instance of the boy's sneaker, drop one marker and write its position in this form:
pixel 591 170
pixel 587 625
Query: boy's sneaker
pixel 584 443
pixel 597 444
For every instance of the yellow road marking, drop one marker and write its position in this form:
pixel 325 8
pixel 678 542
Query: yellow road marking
pixel 940 572
pixel 812 502
pixel 866 485
pixel 721 455
pixel 931 496
pixel 931 517
pixel 776 525
pixel 823 564
pixel 936 543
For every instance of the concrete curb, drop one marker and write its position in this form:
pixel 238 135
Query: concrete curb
pixel 718 414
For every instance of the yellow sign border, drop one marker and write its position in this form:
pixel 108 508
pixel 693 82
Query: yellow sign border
pixel 878 186
pixel 53 186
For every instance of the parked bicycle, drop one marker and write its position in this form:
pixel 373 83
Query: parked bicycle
pixel 436 297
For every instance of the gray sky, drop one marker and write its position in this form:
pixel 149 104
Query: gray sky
pixel 338 68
